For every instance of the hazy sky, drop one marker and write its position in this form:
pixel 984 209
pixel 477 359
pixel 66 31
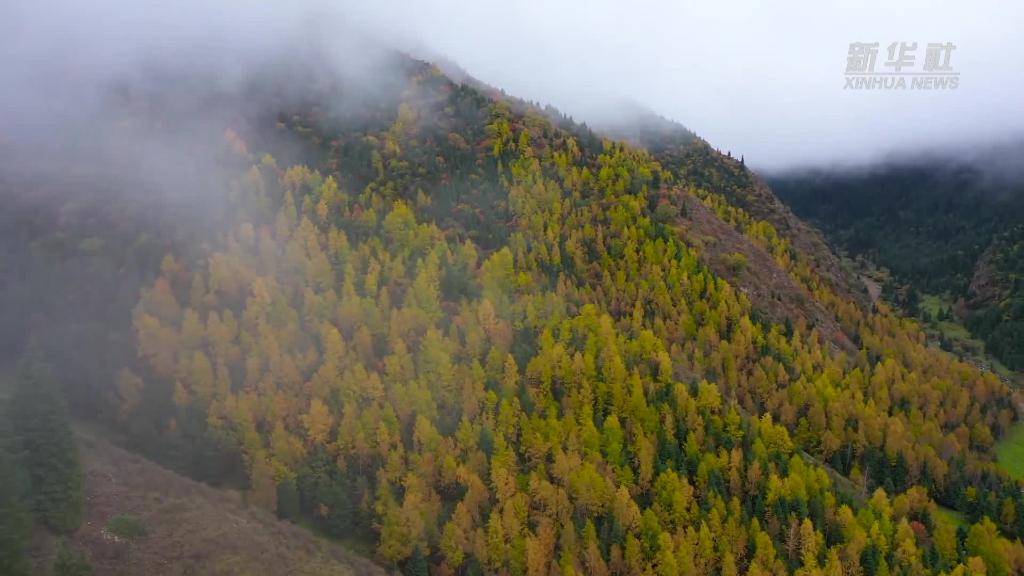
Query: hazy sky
pixel 762 79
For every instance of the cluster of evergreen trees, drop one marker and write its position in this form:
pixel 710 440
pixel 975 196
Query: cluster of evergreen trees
pixel 939 225
pixel 40 476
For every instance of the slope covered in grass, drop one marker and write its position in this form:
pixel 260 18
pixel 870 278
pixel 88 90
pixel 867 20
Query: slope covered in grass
pixel 1010 451
pixel 189 528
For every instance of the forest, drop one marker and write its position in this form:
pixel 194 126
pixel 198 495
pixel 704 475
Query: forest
pixel 471 332
pixel 942 224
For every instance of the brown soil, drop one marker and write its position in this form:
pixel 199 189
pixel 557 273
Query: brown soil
pixel 809 241
pixel 770 289
pixel 987 285
pixel 191 528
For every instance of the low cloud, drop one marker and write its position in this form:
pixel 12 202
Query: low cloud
pixel 765 81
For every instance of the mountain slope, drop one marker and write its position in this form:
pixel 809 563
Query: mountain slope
pixel 751 267
pixel 943 225
pixel 497 343
pixel 190 528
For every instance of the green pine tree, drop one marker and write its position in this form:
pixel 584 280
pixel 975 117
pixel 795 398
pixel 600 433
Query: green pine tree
pixel 287 499
pixel 47 448
pixel 416 565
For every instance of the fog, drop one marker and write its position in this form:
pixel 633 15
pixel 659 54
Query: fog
pixel 121 97
pixel 765 81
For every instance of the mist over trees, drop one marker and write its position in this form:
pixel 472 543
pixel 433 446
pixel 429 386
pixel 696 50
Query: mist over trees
pixel 944 224
pixel 472 335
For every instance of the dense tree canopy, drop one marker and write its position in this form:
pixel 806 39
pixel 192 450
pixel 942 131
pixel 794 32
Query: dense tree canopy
pixel 558 383
pixel 941 225
pixel 478 335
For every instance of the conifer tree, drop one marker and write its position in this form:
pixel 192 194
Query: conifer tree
pixel 46 447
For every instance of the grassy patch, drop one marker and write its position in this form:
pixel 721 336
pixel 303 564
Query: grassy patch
pixel 220 534
pixel 126 526
pixel 1010 451
pixel 962 343
pixel 932 304
pixel 951 329
pixel 954 517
